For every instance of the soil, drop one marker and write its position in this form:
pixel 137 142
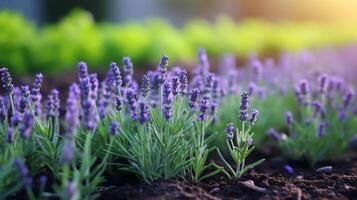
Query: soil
pixel 268 181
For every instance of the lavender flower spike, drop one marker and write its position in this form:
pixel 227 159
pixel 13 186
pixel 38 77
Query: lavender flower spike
pixel 243 109
pixel 131 98
pixel 24 101
pixel 115 75
pixel 183 82
pixel 35 91
pixel 68 151
pixel 230 131
pixel 193 98
pixel 304 87
pixel 288 118
pixel 175 85
pixel 323 83
pixel 23 173
pixel 82 70
pixel 72 110
pixel 91 117
pixel 204 108
pixel 145 85
pixel 3 110
pixel 274 135
pixel 10 135
pixel 6 80
pixel 113 128
pixel 128 71
pixel 27 125
pixel 253 117
pixel 53 104
pixel 94 84
pixel 348 97
pixel 163 68
pixel 144 113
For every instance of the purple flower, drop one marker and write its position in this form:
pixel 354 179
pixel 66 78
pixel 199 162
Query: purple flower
pixel 72 110
pixel 118 103
pixel 167 93
pixel 163 68
pixel 209 83
pixel 6 80
pixel 16 119
pixel 82 70
pixel 323 83
pixel 243 109
pixel 85 86
pixel 183 82
pixel 289 169
pixel 274 135
pixel 251 88
pixel 43 180
pixel 321 129
pixel 94 84
pixel 128 71
pixel 230 131
pixel 214 105
pixel 193 98
pixel 23 173
pixel 288 118
pixel 257 69
pixel 27 125
pixel 115 75
pixel 90 115
pixel 10 135
pixel 232 82
pixel 318 109
pixel 53 104
pixel 3 110
pixel 131 100
pixel 203 66
pixel 24 101
pixel 216 92
pixel 167 111
pixel 145 85
pixel 253 116
pixel 204 104
pixel 113 128
pixel 35 91
pixel 68 151
pixel 70 190
pixel 175 85
pixel 144 113
pixel 304 87
pixel 348 97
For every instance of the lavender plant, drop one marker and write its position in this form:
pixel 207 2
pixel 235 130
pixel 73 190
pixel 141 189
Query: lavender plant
pixel 322 128
pixel 240 141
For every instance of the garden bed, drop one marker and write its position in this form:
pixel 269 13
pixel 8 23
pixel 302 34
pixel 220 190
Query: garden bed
pixel 267 181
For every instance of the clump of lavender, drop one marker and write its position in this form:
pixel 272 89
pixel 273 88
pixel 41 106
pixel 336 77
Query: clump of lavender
pixel 6 80
pixel 53 104
pixel 193 98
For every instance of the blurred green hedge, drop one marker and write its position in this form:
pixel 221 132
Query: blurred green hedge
pixel 27 49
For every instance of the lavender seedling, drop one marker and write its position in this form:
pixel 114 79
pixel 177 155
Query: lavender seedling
pixel 240 141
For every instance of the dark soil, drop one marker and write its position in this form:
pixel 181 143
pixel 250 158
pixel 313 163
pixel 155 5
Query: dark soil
pixel 268 181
